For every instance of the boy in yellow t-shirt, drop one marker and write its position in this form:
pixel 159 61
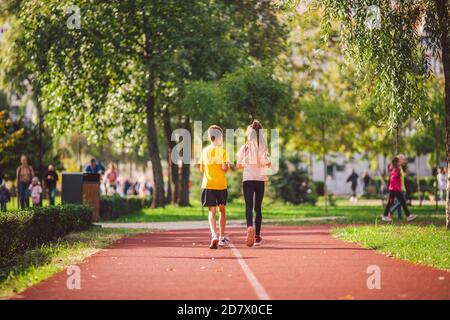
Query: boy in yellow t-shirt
pixel 214 164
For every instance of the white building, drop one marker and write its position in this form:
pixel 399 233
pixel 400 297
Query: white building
pixel 339 169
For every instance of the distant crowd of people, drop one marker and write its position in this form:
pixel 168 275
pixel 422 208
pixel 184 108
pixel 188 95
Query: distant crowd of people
pixel 114 184
pixel 29 186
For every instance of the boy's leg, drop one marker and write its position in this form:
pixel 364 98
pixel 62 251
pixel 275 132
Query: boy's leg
pixel 212 220
pixel 222 220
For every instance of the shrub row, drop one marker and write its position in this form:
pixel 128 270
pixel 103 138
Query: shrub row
pixel 24 229
pixel 115 206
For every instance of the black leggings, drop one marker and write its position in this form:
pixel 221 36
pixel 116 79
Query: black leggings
pixel 400 197
pixel 253 195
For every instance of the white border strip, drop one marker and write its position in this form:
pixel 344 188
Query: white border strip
pixel 259 289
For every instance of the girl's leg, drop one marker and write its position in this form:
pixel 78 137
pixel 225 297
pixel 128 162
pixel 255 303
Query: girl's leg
pixel 389 203
pixel 248 197
pixel 401 198
pixel 259 195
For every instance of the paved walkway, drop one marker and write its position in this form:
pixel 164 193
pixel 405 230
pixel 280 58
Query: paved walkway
pixel 294 263
pixel 189 225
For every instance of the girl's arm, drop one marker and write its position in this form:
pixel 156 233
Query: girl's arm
pixel 240 157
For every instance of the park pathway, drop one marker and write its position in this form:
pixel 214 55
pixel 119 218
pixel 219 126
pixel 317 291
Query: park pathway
pixel 294 263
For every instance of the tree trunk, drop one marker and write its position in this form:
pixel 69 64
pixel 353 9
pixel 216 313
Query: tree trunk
pixel 40 114
pixel 153 148
pixel 418 180
pixel 173 170
pixel 325 189
pixel 185 176
pixel 436 191
pixel 443 17
pixel 397 140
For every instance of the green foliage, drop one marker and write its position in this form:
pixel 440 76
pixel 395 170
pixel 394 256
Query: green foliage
pixel 254 93
pixel 319 120
pixel 292 184
pixel 391 59
pixel 205 101
pixel 246 94
pixel 26 141
pixel 9 138
pixel 24 229
pixel 123 46
pixel 115 206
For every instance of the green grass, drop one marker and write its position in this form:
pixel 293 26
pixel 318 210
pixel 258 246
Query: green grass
pixel 39 264
pixel 421 244
pixel 13 204
pixel 290 214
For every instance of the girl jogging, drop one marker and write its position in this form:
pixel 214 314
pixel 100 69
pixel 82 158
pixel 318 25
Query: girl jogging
pixel 395 191
pixel 253 157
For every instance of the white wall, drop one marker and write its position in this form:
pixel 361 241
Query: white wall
pixel 343 167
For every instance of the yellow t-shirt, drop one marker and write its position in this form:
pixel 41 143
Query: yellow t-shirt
pixel 212 159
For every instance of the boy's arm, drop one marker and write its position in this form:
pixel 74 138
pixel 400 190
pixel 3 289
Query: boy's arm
pixel 202 164
pixel 226 162
pixel 225 166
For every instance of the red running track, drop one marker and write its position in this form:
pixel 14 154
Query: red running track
pixel 294 263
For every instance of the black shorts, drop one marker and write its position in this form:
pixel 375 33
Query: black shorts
pixel 212 198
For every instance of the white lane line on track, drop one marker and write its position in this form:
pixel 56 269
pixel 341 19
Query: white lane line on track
pixel 257 286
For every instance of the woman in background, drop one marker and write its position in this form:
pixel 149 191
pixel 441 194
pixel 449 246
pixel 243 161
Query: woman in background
pixel 24 175
pixel 395 192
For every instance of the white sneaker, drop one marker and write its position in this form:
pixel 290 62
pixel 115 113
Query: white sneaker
pixel 224 241
pixel 386 219
pixel 214 242
pixel 411 217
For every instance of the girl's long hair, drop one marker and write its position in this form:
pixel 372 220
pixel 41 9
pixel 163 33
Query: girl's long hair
pixel 256 149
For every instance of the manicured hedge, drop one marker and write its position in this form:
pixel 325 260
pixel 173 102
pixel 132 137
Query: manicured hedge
pixel 24 229
pixel 115 206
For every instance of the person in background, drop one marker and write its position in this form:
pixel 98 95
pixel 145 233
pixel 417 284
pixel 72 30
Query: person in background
pixel 94 167
pixel 5 195
pixel 111 179
pixel 403 169
pixel 36 192
pixel 353 179
pixel 126 186
pixel 51 179
pixel 24 175
pixel 1 176
pixel 442 183
pixel 395 192
pixel 366 182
